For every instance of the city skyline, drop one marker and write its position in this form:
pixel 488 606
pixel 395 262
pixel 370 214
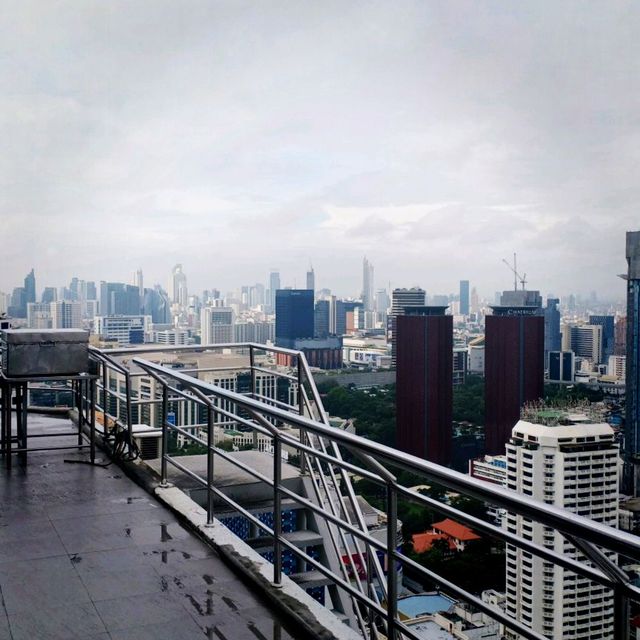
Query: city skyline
pixel 450 134
pixel 298 280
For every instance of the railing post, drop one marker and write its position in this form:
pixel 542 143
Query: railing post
pixel 210 468
pixel 165 437
pixel 127 381
pixel 621 614
pixel 277 511
pixel 105 382
pixel 252 365
pixel 302 432
pixel 392 572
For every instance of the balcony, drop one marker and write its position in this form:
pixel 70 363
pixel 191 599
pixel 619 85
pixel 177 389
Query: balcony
pixel 284 516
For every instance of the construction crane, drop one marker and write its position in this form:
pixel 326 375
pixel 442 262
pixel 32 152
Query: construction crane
pixel 516 276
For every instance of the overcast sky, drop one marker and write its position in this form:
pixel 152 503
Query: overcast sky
pixel 435 137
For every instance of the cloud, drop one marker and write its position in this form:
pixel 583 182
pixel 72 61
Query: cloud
pixel 234 137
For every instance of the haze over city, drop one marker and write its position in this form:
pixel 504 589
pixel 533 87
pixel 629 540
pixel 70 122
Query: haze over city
pixel 436 138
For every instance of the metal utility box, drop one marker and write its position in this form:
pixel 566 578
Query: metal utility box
pixel 44 352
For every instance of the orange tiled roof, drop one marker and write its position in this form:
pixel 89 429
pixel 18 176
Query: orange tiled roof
pixel 423 541
pixel 455 530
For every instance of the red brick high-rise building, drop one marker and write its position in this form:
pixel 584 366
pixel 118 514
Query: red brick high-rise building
pixel 514 369
pixel 424 383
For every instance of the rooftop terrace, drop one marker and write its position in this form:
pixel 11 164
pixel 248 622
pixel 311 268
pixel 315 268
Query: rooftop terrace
pixel 87 553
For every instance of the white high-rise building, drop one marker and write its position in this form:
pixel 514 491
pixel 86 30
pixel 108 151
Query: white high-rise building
pixel 571 462
pixel 367 285
pixel 39 315
pixel 66 315
pixel 178 293
pixel 216 325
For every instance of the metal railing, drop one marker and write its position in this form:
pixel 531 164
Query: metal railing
pixel 320 447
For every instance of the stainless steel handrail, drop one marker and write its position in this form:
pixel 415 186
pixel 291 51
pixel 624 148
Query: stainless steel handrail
pixel 571 525
pixel 320 445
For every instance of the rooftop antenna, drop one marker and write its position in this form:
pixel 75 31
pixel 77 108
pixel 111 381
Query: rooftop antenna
pixel 516 275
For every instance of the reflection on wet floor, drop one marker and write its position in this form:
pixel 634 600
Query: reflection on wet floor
pixel 86 553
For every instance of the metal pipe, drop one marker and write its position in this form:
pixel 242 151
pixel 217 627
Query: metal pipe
pixel 277 512
pixel 210 454
pixel 555 517
pixel 165 438
pixel 392 570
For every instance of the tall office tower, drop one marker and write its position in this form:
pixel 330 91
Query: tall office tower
pixel 178 293
pixel 586 342
pixel 74 288
pixel 274 285
pixel 18 306
pixel 552 335
pixel 474 303
pixel 117 298
pixel 561 366
pixel 400 300
pixel 311 279
pixel 424 383
pixel 66 315
pixel 216 325
pixel 620 339
pixel 367 285
pixel 138 281
pixel 345 311
pixel 256 295
pixel 573 466
pixel 294 316
pixel 464 297
pixel 514 369
pixel 91 291
pixel 608 334
pixel 157 305
pixel 30 288
pixel 382 301
pixel 322 319
pixel 49 294
pixel 632 421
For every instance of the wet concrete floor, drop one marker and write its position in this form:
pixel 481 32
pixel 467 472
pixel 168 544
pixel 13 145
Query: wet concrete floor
pixel 87 553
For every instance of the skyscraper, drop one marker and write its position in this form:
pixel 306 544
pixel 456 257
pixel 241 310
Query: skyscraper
pixel 322 318
pixel 424 383
pixel 138 280
pixel 178 293
pixel 572 465
pixel 117 298
pixel 49 294
pixel 216 325
pixel 464 297
pixel 66 315
pixel 400 300
pixel 30 288
pixel 274 285
pixel 294 316
pixel 632 422
pixel 608 334
pixel 367 285
pixel 552 335
pixel 514 369
pixel 311 279
pixel 586 342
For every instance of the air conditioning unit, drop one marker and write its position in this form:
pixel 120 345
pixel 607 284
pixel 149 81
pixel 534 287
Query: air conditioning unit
pixel 147 439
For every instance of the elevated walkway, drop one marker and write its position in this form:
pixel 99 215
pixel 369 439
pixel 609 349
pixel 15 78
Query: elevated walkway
pixel 86 553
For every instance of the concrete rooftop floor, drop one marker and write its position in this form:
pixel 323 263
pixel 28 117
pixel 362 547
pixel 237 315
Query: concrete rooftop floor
pixel 86 553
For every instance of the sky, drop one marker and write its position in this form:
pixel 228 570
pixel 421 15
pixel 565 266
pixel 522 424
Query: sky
pixel 436 138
